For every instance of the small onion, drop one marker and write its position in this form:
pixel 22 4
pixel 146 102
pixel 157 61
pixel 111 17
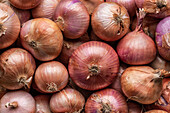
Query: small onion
pixel 93 65
pixel 51 77
pixel 156 111
pixel 163 38
pixel 110 21
pixel 72 17
pixel 68 100
pixel 106 101
pixel 17 68
pixel 134 107
pixel 9 26
pixel 42 38
pixel 17 102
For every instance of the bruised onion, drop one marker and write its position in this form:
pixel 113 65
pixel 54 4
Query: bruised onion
pixel 93 65
pixel 51 77
pixel 9 26
pixel 163 38
pixel 106 101
pixel 42 38
pixel 72 18
pixel 17 69
pixel 156 111
pixel 17 102
pixel 68 100
pixel 110 21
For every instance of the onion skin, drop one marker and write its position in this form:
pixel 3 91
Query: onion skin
pixel 68 100
pixel 141 84
pixel 51 77
pixel 134 107
pixel 69 19
pixel 22 102
pixel 9 26
pixel 163 38
pixel 106 101
pixel 110 21
pixel 156 111
pixel 93 65
pixel 42 38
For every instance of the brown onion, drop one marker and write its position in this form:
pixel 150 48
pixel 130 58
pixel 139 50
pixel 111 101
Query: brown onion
pixel 156 111
pixel 110 21
pixel 17 68
pixel 93 65
pixel 134 107
pixel 72 18
pixel 17 102
pixel 42 38
pixel 142 84
pixel 51 77
pixel 68 100
pixel 106 101
pixel 9 26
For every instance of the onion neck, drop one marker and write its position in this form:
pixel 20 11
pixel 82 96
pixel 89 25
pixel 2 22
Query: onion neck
pixel 2 29
pixel 140 16
pixel 26 82
pixel 52 87
pixel 93 71
pixel 12 105
pixel 60 22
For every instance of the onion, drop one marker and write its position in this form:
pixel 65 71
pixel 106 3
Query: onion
pixel 106 101
pixel 134 107
pixel 45 9
pixel 25 4
pixel 51 77
pixel 42 104
pixel 9 26
pixel 72 17
pixel 142 84
pixel 2 91
pixel 130 5
pixel 17 69
pixel 42 38
pixel 163 38
pixel 93 65
pixel 17 102
pixel 68 100
pixel 156 111
pixel 110 21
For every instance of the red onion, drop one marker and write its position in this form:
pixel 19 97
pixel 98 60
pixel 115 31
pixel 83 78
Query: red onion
pixel 134 107
pixel 9 26
pixel 110 21
pixel 106 101
pixel 17 102
pixel 45 9
pixel 25 4
pixel 2 91
pixel 68 100
pixel 142 84
pixel 51 77
pixel 130 5
pixel 17 69
pixel 156 111
pixel 93 65
pixel 42 38
pixel 72 17
pixel 163 38
pixel 42 104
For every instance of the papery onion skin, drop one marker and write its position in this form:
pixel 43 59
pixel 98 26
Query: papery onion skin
pixel 23 102
pixel 106 101
pixel 42 38
pixel 134 107
pixel 93 65
pixel 163 38
pixel 51 77
pixel 72 18
pixel 9 26
pixel 68 100
pixel 156 111
pixel 141 84
pixel 18 67
pixel 110 21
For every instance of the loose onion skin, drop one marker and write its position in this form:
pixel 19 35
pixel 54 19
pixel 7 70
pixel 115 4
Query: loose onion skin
pixel 51 77
pixel 69 19
pixel 141 84
pixel 156 111
pixel 163 38
pixel 9 26
pixel 42 38
pixel 110 21
pixel 106 101
pixel 93 65
pixel 17 68
pixel 17 102
pixel 68 100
